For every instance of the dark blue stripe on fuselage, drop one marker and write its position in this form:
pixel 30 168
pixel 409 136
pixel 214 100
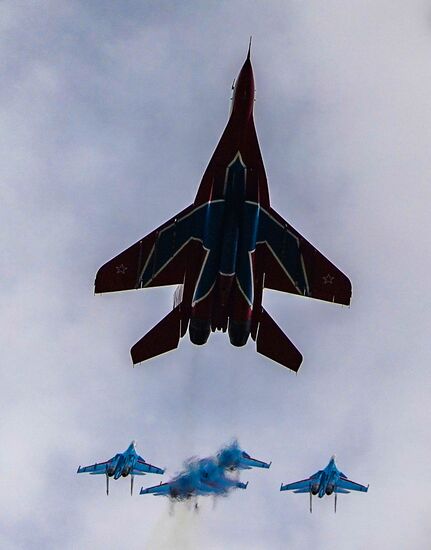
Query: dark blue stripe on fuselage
pixel 234 197
pixel 230 235
pixel 227 229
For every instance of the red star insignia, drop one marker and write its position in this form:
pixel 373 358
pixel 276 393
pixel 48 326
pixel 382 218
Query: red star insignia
pixel 121 269
pixel 328 279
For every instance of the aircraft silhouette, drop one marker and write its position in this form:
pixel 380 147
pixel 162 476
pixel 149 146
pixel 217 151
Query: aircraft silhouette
pixel 223 250
pixel 122 464
pixel 325 482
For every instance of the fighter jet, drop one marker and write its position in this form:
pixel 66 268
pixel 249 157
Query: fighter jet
pixel 209 481
pixel 122 464
pixel 223 250
pixel 234 458
pixel 325 482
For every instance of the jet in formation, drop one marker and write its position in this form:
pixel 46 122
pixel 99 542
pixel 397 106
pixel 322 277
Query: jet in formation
pixel 207 476
pixel 223 250
pixel 122 464
pixel 234 458
pixel 187 485
pixel 325 482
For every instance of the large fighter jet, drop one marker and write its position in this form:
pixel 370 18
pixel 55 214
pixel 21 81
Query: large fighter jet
pixel 223 250
pixel 122 464
pixel 325 482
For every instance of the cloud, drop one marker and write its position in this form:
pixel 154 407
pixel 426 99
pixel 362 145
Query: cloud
pixel 108 116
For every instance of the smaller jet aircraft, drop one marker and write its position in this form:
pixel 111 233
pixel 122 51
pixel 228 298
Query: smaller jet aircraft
pixel 122 464
pixel 202 477
pixel 186 486
pixel 234 458
pixel 325 482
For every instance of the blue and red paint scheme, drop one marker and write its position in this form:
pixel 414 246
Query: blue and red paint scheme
pixel 223 250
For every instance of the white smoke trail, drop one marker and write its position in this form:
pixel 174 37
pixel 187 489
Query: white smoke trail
pixel 178 530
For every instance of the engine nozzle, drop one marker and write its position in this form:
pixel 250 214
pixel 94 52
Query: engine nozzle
pixel 314 489
pixel 329 489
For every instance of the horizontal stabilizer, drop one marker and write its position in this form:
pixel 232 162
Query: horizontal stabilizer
pixel 160 339
pixel 162 489
pixel 273 343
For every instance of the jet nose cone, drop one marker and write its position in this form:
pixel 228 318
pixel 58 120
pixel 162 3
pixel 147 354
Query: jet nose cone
pixel 249 50
pixel 243 94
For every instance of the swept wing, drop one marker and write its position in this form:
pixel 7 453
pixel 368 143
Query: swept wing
pixel 344 483
pixel 292 264
pixel 155 260
pixel 300 486
pixel 98 468
pixel 141 467
pixel 304 484
pixel 157 490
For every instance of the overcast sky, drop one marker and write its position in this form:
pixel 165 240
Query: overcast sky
pixel 109 113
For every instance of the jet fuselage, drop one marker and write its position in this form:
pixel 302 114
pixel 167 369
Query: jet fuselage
pixel 223 297
pixel 222 251
pixel 326 482
pixel 122 463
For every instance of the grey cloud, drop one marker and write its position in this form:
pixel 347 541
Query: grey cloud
pixel 109 114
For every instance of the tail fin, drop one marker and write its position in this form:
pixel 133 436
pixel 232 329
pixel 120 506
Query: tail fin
pixel 160 339
pixel 272 342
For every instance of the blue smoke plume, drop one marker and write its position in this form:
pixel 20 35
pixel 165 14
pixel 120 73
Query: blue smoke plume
pixel 209 476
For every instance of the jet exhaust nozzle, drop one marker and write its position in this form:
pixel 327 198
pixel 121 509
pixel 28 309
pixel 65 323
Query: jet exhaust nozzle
pixel 199 331
pixel 329 489
pixel 239 331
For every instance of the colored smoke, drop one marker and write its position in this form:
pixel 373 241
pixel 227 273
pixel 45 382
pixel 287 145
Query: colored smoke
pixel 229 457
pixel 210 475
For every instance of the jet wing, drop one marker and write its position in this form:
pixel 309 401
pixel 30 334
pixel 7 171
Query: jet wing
pixel 248 462
pixel 292 264
pixel 155 260
pixel 300 486
pixel 99 468
pixel 157 490
pixel 141 467
pixel 297 486
pixel 345 483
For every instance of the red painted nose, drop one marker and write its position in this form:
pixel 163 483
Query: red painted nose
pixel 243 97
